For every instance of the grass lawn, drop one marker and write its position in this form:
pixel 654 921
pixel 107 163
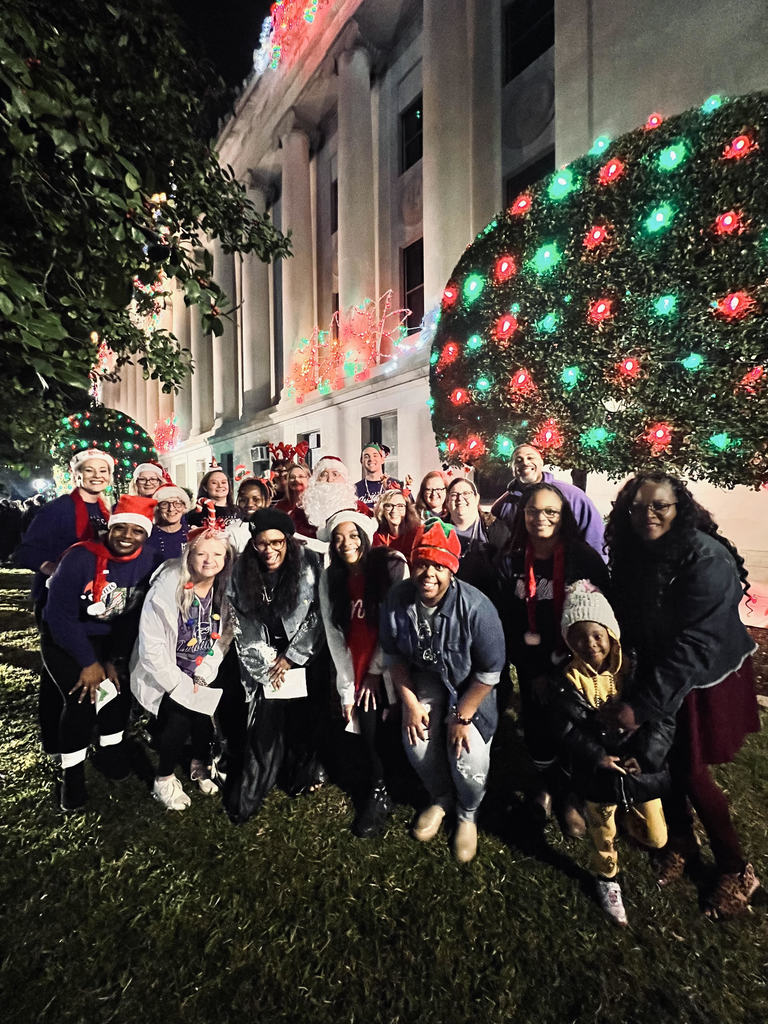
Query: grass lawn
pixel 129 913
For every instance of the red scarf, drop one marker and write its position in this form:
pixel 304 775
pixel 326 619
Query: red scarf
pixel 103 557
pixel 83 526
pixel 532 637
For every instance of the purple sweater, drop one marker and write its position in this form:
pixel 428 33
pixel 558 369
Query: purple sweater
pixel 69 597
pixel 589 519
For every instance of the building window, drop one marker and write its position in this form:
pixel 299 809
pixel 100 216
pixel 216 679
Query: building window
pixel 413 283
pixel 529 31
pixel 334 206
pixel 410 135
pixel 520 180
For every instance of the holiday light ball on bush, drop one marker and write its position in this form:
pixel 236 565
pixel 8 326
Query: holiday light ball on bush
pixel 111 431
pixel 615 314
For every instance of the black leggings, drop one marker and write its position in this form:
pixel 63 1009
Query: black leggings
pixel 176 725
pixel 370 725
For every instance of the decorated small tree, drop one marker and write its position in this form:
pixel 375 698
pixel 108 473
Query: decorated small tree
pixel 112 432
pixel 615 314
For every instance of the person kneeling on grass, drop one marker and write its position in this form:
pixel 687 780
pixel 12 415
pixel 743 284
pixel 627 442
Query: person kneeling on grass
pixel 617 774
pixel 89 625
pixel 445 649
pixel 183 636
pixel 352 590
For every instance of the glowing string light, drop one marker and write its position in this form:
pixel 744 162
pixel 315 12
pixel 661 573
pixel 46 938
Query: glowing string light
pixel 610 172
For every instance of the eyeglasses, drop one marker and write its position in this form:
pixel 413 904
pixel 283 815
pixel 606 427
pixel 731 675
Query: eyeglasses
pixel 165 506
pixel 658 508
pixel 465 496
pixel 393 508
pixel 270 545
pixel 537 513
pixel 429 492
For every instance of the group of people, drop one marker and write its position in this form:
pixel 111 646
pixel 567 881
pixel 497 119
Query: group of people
pixel 228 622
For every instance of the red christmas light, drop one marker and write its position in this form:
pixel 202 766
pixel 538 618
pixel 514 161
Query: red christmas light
pixel 735 306
pixel 521 383
pixel 450 294
pixel 654 120
pixel 751 378
pixel 449 353
pixel 505 268
pixel 459 396
pixel 610 172
pixel 739 147
pixel 521 205
pixel 452 445
pixel 599 310
pixel 629 367
pixel 505 327
pixel 549 435
pixel 729 223
pixel 474 448
pixel 658 436
pixel 595 236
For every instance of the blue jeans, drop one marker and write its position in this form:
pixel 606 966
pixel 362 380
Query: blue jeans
pixel 452 783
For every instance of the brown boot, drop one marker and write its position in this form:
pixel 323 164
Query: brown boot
pixel 671 863
pixel 732 894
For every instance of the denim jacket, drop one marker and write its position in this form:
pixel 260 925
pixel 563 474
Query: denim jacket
pixel 467 643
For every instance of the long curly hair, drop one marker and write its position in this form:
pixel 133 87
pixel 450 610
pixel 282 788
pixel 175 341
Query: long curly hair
pixel 250 580
pixel 375 565
pixel 625 549
pixel 569 529
pixel 184 595
pixel 411 521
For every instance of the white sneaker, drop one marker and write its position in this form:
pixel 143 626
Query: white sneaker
pixel 201 774
pixel 609 895
pixel 170 794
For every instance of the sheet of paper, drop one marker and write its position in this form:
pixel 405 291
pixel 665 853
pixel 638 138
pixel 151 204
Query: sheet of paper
pixel 353 725
pixel 294 685
pixel 106 692
pixel 206 700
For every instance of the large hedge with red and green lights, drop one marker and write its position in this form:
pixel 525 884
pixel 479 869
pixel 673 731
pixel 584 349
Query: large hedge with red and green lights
pixel 111 431
pixel 615 314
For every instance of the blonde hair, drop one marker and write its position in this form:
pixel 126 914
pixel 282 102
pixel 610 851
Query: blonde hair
pixel 185 595
pixel 410 519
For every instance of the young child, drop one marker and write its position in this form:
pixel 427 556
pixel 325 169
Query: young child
pixel 615 774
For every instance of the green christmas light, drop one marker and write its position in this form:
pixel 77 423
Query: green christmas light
pixel 571 376
pixel 711 103
pixel 596 437
pixel 599 146
pixel 430 403
pixel 665 305
pixel 693 362
pixel 515 307
pixel 504 445
pixel 561 185
pixel 432 359
pixel 720 441
pixel 472 287
pixel 567 298
pixel 673 156
pixel 546 258
pixel 483 384
pixel 659 219
pixel 474 342
pixel 548 324
pixel 127 445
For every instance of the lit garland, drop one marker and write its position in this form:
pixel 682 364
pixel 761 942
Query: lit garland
pixel 361 338
pixel 112 432
pixel 166 434
pixel 283 32
pixel 615 312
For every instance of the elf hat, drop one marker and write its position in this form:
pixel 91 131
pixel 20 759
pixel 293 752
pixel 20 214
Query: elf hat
pixel 136 510
pixel 366 524
pixel 331 462
pixel 86 455
pixel 383 448
pixel 438 542
pixel 585 603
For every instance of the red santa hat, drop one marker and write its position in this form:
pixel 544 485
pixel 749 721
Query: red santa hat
pixel 331 462
pixel 437 542
pixel 131 508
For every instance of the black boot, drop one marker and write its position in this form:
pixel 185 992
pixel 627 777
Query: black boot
pixel 372 818
pixel 113 761
pixel 73 792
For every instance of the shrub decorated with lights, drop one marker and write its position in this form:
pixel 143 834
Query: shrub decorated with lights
pixel 112 432
pixel 615 314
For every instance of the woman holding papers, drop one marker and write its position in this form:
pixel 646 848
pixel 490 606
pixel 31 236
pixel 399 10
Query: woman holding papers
pixel 183 636
pixel 277 630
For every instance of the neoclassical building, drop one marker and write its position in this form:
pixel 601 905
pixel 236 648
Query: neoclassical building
pixel 384 135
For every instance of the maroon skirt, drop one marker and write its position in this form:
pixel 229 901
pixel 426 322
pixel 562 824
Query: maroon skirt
pixel 713 723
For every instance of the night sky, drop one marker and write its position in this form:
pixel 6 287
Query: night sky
pixel 227 31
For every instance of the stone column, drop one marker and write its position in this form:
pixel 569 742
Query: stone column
pixel 485 122
pixel 129 379
pixel 226 394
pixel 141 398
pixel 446 86
pixel 356 184
pixel 153 406
pixel 298 290
pixel 201 383
pixel 182 402
pixel 254 317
